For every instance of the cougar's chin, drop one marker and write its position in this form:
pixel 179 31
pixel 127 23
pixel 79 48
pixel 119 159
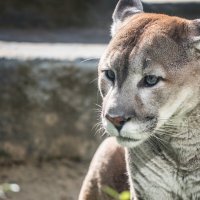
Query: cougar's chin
pixel 130 142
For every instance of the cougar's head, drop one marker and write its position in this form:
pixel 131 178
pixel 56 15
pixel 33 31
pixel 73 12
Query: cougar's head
pixel 149 73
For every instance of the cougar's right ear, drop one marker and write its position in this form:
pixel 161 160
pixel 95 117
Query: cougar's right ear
pixel 124 9
pixel 195 36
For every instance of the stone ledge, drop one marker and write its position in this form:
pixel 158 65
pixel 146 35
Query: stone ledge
pixel 52 51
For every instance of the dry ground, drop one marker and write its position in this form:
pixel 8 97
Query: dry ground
pixel 54 180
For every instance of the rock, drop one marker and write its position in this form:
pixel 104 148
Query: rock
pixel 47 109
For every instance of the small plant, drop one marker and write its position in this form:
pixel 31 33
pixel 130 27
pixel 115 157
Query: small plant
pixel 125 195
pixel 6 187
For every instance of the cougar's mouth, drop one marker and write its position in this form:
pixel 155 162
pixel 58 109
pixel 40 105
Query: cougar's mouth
pixel 126 139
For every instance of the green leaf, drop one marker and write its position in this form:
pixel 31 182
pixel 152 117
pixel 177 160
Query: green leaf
pixel 111 192
pixel 125 195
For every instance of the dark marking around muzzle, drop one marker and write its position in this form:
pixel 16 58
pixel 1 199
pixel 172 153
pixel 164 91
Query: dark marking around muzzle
pixel 118 121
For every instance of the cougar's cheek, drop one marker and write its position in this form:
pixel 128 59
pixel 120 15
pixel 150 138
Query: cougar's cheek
pixel 174 105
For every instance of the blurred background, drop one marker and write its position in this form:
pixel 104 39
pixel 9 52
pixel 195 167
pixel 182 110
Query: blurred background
pixel 49 102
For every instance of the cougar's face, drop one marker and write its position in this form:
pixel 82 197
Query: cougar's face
pixel 146 76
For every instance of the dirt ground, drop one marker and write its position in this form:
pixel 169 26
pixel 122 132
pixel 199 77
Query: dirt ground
pixel 54 180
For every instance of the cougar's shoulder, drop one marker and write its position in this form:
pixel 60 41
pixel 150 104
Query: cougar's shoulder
pixel 107 169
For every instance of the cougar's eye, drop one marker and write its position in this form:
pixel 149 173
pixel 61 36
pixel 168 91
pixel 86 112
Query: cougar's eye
pixel 151 80
pixel 110 75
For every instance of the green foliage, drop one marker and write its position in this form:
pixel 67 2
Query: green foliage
pixel 6 188
pixel 125 195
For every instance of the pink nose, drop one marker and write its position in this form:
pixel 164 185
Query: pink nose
pixel 118 121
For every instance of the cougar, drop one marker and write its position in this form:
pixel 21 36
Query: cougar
pixel 149 79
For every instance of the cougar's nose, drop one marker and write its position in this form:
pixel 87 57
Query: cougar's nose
pixel 117 121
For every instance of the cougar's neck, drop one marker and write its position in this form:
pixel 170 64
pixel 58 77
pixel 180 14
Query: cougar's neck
pixel 184 141
pixel 177 142
pixel 182 136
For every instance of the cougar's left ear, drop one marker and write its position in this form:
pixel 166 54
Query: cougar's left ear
pixel 124 9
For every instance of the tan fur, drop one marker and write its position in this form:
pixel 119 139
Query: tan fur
pixel 130 33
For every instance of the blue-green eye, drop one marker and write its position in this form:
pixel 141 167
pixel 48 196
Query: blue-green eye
pixel 110 75
pixel 151 80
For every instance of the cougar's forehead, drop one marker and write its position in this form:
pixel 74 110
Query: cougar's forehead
pixel 143 36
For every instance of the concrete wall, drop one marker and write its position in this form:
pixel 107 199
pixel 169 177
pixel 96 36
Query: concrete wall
pixel 54 13
pixel 79 13
pixel 47 110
